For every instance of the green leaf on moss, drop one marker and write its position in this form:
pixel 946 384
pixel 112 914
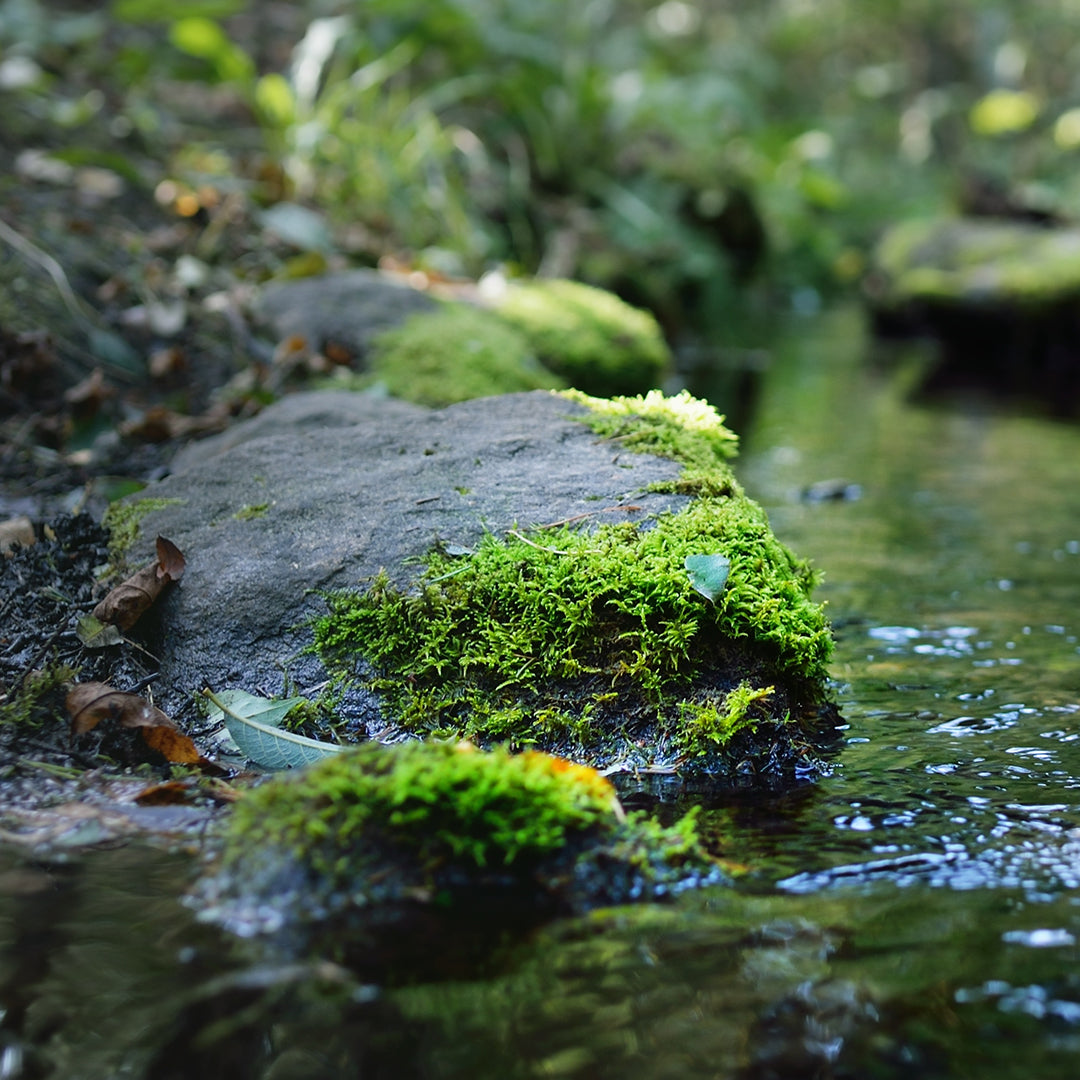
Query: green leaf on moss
pixel 708 574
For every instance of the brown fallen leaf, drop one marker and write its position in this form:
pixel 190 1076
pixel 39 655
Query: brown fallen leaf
pixel 91 702
pixel 123 606
pixel 181 792
pixel 172 745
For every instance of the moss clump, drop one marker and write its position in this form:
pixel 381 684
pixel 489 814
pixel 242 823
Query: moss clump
pixel 978 262
pixel 573 635
pixel 453 354
pixel 680 427
pixel 437 800
pixel 351 852
pixel 38 698
pixel 590 337
pixel 718 720
pixel 124 521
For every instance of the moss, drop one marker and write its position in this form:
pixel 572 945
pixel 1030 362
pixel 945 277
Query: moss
pixel 124 520
pixel 437 800
pixel 348 853
pixel 38 698
pixel 979 262
pixel 590 337
pixel 453 354
pixel 564 633
pixel 717 720
pixel 247 513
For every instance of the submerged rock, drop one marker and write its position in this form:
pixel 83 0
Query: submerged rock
pixel 579 575
pixel 371 850
pixel 1000 296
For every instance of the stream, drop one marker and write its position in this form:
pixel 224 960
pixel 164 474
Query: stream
pixel 915 913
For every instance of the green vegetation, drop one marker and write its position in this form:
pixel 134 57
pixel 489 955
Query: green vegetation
pixel 698 159
pixel 453 354
pixel 124 522
pixel 590 337
pixel 252 510
pixel 979 262
pixel 38 698
pixel 566 630
pixel 432 800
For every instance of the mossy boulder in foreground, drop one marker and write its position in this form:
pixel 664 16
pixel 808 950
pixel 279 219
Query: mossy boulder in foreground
pixel 363 847
pixel 1001 297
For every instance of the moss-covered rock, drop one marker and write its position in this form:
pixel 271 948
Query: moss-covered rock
pixel 372 837
pixel 591 338
pixel 590 639
pixel 978 262
pixel 1000 297
pixel 455 353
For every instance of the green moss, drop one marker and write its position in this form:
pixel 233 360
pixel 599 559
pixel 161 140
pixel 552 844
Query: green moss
pixel 681 427
pixel 38 698
pixel 453 354
pixel 590 337
pixel 247 513
pixel 124 520
pixel 436 800
pixel 717 720
pixel 973 261
pixel 559 633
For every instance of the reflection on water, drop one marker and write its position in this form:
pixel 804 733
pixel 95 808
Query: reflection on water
pixel 916 913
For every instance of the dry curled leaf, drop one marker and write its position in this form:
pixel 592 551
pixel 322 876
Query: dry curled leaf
pixel 92 702
pixel 124 605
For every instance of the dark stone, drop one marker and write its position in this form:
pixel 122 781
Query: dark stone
pixel 348 310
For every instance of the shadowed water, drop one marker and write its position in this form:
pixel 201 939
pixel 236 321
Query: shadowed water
pixel 913 914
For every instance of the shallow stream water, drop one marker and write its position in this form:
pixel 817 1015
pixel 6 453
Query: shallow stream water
pixel 915 913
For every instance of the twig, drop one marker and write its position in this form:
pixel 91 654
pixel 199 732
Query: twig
pixel 589 513
pixel 553 551
pixel 52 268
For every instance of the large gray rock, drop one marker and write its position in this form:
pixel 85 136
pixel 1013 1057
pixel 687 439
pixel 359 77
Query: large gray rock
pixel 277 510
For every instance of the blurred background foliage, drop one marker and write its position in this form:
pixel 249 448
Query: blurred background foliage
pixel 701 159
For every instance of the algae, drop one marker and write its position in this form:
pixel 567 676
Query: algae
pixel 455 353
pixel 574 635
pixel 595 341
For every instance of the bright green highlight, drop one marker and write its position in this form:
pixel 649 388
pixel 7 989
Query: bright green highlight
pixel 434 799
pixel 681 427
pixel 595 341
pixel 716 721
pixel 454 354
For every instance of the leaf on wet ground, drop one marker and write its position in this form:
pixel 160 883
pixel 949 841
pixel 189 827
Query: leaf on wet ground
pixel 708 574
pixel 95 634
pixel 123 606
pixel 253 721
pixel 90 703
